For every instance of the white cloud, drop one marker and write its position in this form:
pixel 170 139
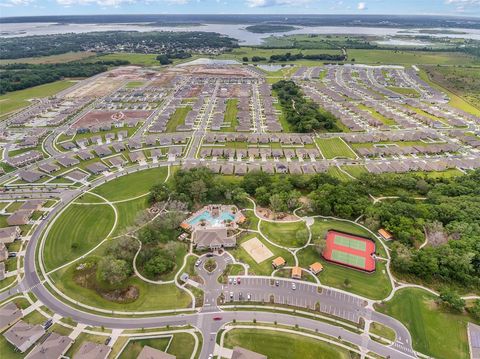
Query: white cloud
pixel 268 3
pixel 463 5
pixel 13 3
pixel 362 6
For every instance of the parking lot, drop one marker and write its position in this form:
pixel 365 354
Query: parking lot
pixel 282 292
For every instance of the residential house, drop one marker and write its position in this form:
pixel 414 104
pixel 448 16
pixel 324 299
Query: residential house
pixel 23 335
pixel 152 353
pixel 9 315
pixel 241 353
pixel 9 234
pixel 52 348
pixel 90 350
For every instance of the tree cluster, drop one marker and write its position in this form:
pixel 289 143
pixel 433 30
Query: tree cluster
pixel 116 265
pixel 110 41
pixel 302 114
pixel 293 57
pixel 15 77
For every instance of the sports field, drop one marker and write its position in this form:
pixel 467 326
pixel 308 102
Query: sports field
pixel 349 250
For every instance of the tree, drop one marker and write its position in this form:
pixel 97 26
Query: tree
pixel 276 203
pixel 123 248
pixel 158 265
pixel 474 310
pixel 113 271
pixel 159 193
pixel 245 59
pixel 346 282
pixel 451 299
pixel 163 59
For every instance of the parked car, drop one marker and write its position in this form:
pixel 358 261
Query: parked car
pixel 294 286
pixel 48 324
pixel 238 280
pixel 277 283
pixel 230 280
pixel 198 262
pixel 231 295
pixel 12 254
pixel 107 341
pixel 249 296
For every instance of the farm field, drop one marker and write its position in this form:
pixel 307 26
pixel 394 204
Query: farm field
pixel 283 345
pixel 334 147
pixel 16 100
pixel 417 309
pixel 134 59
pixel 77 230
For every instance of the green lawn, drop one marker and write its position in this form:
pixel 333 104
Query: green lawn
pixel 178 118
pixel 181 345
pixel 280 345
pixel 128 212
pixel 383 331
pixel 82 338
pixel 355 170
pixel 371 285
pixel 134 84
pixel 265 267
pixel 435 331
pixel 334 147
pixel 78 229
pixel 16 100
pixel 134 347
pixel 292 234
pixel 231 115
pixel 132 185
pixel 387 121
pixel 334 171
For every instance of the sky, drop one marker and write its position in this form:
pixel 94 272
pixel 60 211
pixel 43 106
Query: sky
pixel 88 7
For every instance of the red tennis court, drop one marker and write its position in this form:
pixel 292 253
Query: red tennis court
pixel 349 250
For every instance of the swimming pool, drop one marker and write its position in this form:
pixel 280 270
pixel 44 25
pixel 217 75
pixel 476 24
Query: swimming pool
pixel 213 221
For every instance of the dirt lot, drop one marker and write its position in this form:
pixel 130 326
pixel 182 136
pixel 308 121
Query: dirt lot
pixel 102 117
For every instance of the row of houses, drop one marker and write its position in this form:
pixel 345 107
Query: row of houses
pixel 255 138
pixel 267 167
pixel 261 152
pixel 408 165
pixel 394 150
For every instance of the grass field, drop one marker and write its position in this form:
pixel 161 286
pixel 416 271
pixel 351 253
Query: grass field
pixel 334 171
pixel 178 118
pixel 334 147
pixel 409 92
pixel 128 212
pixel 435 331
pixel 410 57
pixel 377 115
pixel 16 100
pixel 285 234
pixel 355 170
pixel 280 345
pixel 78 229
pixel 371 285
pixel 52 59
pixel 134 59
pixel 231 115
pixel 265 267
pixel 460 84
pixel 132 185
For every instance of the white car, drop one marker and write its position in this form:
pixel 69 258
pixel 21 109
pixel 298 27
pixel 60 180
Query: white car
pixel 294 286
pixel 249 296
pixel 198 262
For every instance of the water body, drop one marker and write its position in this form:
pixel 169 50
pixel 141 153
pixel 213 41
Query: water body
pixel 403 42
pixel 233 30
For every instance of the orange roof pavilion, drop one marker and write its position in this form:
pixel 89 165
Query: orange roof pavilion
pixel 385 234
pixel 316 267
pixel 297 273
pixel 278 262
